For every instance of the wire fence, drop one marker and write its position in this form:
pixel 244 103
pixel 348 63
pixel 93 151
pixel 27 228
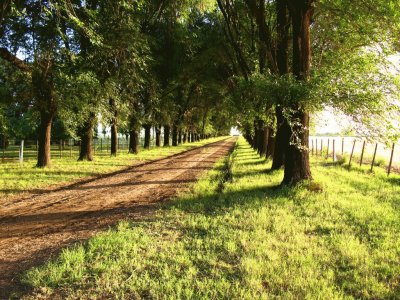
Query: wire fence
pixel 356 150
pixel 22 150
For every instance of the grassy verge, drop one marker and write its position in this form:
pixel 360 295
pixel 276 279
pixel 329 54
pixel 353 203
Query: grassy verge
pixel 16 178
pixel 247 240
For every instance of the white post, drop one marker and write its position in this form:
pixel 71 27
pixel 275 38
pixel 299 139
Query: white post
pixel 21 152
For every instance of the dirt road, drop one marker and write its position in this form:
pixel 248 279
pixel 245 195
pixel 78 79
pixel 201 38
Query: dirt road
pixel 33 228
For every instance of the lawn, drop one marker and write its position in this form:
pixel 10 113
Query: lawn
pixel 17 178
pixel 237 235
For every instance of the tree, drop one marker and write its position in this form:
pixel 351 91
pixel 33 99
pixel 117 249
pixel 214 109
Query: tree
pixel 297 162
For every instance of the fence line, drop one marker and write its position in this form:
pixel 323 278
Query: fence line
pixel 358 149
pixel 20 150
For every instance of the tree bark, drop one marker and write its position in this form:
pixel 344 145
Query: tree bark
pixel 3 141
pixel 167 131
pixel 264 132
pixel 283 24
pixel 147 135
pixel 184 136
pixel 270 144
pixel 86 135
pixel 158 135
pixel 256 139
pixel 134 128
pixel 282 127
pixel 180 136
pixel 44 92
pixel 281 139
pixel 114 128
pixel 297 163
pixel 44 151
pixel 134 141
pixel 174 135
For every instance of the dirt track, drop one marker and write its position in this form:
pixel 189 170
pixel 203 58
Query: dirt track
pixel 35 227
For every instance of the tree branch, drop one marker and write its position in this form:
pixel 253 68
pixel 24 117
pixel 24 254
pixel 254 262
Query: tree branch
pixel 20 64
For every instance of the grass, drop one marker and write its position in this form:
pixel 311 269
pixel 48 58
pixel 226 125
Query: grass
pixel 17 178
pixel 247 240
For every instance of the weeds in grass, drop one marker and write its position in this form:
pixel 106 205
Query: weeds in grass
pixel 251 240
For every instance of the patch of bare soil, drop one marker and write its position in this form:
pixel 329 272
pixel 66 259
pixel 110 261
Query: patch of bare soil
pixel 34 228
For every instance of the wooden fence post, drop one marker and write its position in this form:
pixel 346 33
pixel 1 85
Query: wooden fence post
pixel 316 147
pixel 21 152
pixel 362 154
pixel 334 152
pixel 312 147
pixel 391 161
pixel 60 148
pixel 342 146
pixel 327 149
pixel 352 152
pixel 322 143
pixel 373 158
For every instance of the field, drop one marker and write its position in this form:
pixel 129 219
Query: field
pixel 237 235
pixel 16 178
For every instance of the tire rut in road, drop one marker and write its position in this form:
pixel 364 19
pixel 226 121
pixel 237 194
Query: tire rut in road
pixel 35 229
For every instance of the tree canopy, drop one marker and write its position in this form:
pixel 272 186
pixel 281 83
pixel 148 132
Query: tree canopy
pixel 197 67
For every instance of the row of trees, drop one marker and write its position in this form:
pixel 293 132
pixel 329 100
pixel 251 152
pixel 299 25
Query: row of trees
pixel 198 66
pixel 127 64
pixel 297 57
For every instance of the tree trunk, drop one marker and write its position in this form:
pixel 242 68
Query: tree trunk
pixel 3 141
pixel 147 135
pixel 134 130
pixel 270 144
pixel 184 136
pixel 86 135
pixel 158 135
pixel 174 135
pixel 43 89
pixel 281 140
pixel 264 139
pixel 114 128
pixel 282 127
pixel 180 136
pixel 256 136
pixel 44 153
pixel 167 131
pixel 297 163
pixel 134 141
pixel 283 24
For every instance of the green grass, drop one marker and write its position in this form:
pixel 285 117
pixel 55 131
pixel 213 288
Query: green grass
pixel 249 240
pixel 17 178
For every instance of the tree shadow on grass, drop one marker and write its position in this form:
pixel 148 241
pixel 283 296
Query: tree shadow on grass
pixel 218 202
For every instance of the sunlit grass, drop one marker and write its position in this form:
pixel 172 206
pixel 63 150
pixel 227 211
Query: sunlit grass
pixel 249 240
pixel 17 178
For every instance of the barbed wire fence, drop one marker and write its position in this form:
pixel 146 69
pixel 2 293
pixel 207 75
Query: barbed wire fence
pixel 356 150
